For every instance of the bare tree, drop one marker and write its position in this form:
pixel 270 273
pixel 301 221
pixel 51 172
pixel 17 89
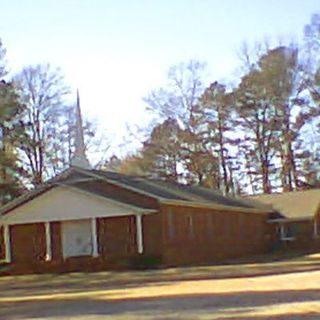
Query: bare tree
pixel 42 90
pixel 176 99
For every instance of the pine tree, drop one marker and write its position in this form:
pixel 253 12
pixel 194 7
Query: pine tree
pixel 10 132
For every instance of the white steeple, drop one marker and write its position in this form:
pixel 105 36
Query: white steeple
pixel 79 158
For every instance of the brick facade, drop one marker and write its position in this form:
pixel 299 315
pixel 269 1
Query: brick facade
pixel 202 235
pixel 303 237
pixel 178 235
pixel 28 246
pixel 116 241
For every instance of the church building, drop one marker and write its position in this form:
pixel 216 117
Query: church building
pixel 87 219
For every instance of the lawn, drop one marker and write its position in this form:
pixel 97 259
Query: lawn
pixel 267 290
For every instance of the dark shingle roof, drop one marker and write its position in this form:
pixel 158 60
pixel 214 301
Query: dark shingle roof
pixel 212 195
pixel 173 191
pixel 98 188
pixel 140 183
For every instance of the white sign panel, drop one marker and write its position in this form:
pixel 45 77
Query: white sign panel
pixel 76 238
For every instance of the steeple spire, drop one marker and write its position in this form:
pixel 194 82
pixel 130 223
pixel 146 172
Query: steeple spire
pixel 79 158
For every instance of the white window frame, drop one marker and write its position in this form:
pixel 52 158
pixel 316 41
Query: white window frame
pixel 283 233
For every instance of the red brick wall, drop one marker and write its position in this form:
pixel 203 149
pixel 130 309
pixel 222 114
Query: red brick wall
pixel 302 232
pixel 56 241
pixel 116 242
pixel 152 234
pixel 214 235
pixel 117 237
pixel 28 246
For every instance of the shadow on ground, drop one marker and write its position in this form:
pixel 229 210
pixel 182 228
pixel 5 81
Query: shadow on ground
pixel 244 305
pixel 79 282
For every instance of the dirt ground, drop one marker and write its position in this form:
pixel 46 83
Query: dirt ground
pixel 288 296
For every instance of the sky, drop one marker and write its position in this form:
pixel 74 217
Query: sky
pixel 115 52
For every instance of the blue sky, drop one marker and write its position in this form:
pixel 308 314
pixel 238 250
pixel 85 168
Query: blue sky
pixel 115 52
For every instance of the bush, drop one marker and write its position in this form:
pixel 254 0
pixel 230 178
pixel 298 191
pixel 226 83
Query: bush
pixel 4 268
pixel 145 262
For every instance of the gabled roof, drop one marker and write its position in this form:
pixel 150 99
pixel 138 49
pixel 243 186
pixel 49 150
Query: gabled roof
pixel 294 205
pixel 95 182
pixel 162 190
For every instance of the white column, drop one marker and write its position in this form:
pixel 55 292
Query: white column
pixel 48 241
pixel 139 233
pixel 94 237
pixel 6 237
